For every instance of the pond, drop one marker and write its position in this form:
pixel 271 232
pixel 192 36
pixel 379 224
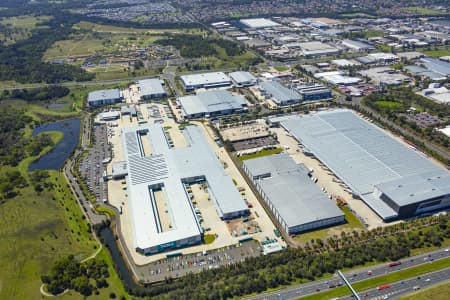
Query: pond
pixel 55 159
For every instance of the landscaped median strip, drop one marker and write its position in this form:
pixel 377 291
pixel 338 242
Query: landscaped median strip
pixel 380 280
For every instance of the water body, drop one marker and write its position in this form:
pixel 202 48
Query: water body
pixel 107 237
pixel 55 159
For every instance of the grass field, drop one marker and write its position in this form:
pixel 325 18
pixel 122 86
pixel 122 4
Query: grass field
pixel 35 229
pixel 260 154
pixel 353 223
pixel 373 33
pixel 439 292
pixel 19 28
pixel 281 68
pixel 437 53
pixel 104 210
pixel 377 281
pixel 117 29
pixel 38 228
pixel 424 11
pixel 223 61
pixel 88 43
pixel 390 105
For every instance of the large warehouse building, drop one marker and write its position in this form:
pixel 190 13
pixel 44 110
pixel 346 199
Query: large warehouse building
pixel 280 94
pixel 104 97
pixel 211 103
pixel 242 78
pixel 391 178
pixel 205 80
pixel 151 89
pixel 295 201
pixel 162 213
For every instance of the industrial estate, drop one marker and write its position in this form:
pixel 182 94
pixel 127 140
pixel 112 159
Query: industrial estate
pixel 170 169
pixel 232 142
pixel 189 175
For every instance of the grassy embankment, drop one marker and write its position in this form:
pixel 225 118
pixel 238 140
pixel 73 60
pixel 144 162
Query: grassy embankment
pixel 424 11
pixel 437 53
pixel 260 154
pixel 353 223
pixel 439 292
pixel 38 228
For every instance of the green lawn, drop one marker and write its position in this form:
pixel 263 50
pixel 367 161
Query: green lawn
pixel 377 281
pixel 281 68
pixel 439 292
pixel 390 105
pixel 260 154
pixel 353 223
pixel 104 210
pixel 383 48
pixel 437 53
pixel 424 11
pixel 223 61
pixel 373 33
pixel 35 229
pixel 117 29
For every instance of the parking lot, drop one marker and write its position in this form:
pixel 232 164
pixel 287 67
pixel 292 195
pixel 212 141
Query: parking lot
pixel 254 143
pixel 93 165
pixel 197 262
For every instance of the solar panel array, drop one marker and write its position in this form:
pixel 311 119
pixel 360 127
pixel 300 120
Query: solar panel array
pixel 146 169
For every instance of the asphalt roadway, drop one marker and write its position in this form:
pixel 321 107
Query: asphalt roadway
pixel 404 287
pixel 299 290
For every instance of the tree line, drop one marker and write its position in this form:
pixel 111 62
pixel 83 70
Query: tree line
pixel 191 45
pixel 68 273
pixel 36 94
pixel 22 61
pixel 315 259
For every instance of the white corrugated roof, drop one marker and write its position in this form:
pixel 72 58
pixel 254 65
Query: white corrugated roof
pixel 362 155
pixel 169 166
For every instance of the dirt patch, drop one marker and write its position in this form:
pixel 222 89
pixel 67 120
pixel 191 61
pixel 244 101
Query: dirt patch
pixel 243 226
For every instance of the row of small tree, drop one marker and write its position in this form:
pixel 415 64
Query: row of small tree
pixel 302 264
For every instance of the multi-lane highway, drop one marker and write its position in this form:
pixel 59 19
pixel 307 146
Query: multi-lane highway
pixel 297 291
pixel 400 288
